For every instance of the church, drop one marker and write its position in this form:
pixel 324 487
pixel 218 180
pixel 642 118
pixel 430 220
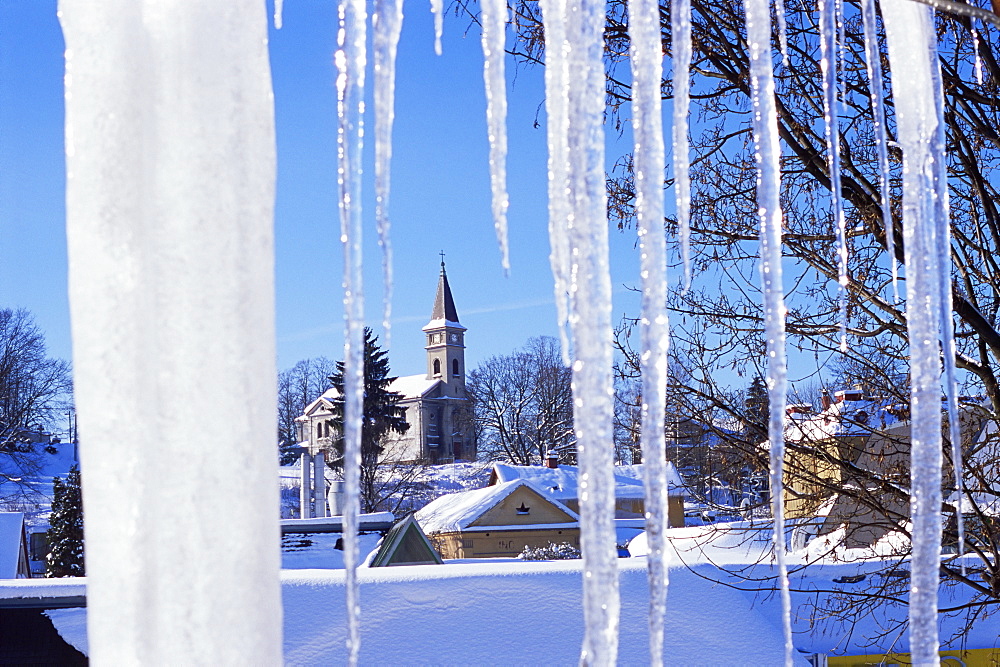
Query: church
pixel 436 404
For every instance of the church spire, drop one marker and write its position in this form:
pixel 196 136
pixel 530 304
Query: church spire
pixel 444 304
pixel 446 340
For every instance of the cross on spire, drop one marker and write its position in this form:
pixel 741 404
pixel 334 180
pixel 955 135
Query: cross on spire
pixel 442 261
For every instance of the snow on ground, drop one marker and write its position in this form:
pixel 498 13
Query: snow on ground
pixel 501 613
pixel 719 608
pixel 824 584
pixel 318 550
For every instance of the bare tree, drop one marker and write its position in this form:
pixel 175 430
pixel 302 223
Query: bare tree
pixel 523 404
pixel 34 391
pixel 299 386
pixel 718 324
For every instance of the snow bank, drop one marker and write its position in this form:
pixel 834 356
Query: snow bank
pixel 510 613
pixel 514 612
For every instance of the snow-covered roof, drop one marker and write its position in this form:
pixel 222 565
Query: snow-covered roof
pixel 844 417
pixel 11 536
pixel 562 483
pixel 334 524
pixel 413 386
pixel 408 386
pixel 457 511
pixel 442 322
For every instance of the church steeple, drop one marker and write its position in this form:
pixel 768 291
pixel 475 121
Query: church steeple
pixel 446 340
pixel 444 304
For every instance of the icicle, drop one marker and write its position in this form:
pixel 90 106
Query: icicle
pixel 590 321
pixel 779 14
pixel 646 56
pixel 494 21
pixel 437 8
pixel 279 6
pixel 951 388
pixel 975 49
pixel 557 114
pixel 768 152
pixel 828 49
pixel 882 141
pixel 942 246
pixel 351 62
pixel 680 30
pixel 170 154
pixel 387 24
pixel 919 116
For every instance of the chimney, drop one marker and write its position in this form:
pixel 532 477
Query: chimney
pixel 335 498
pixel 825 399
pixel 552 460
pixel 849 395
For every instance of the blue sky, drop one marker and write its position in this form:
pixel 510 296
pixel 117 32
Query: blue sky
pixel 440 196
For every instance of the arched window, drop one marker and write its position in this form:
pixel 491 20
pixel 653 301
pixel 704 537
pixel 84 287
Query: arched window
pixel 437 367
pixel 454 367
pixel 319 430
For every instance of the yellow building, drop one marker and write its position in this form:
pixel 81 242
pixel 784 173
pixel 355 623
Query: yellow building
pixel 860 444
pixel 981 657
pixel 497 521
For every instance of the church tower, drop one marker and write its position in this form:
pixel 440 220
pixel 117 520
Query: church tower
pixel 446 341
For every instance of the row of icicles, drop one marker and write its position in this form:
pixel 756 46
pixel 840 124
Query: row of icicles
pixel 579 252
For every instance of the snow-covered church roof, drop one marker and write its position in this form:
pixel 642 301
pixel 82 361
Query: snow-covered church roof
pixel 409 386
pixel 413 386
pixel 562 483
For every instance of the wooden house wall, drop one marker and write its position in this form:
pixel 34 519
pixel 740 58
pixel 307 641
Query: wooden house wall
pixel 500 543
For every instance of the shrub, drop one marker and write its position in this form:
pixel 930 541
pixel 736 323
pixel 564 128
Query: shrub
pixel 553 551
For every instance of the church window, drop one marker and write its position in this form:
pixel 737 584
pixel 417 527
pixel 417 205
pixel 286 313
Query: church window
pixel 319 430
pixel 454 367
pixel 437 367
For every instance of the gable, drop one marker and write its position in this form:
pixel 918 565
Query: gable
pixel 405 544
pixel 540 510
pixel 13 547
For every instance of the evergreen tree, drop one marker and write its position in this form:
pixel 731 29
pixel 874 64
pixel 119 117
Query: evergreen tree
pixel 382 416
pixel 757 409
pixel 65 537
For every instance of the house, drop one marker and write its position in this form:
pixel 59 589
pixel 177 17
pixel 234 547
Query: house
pixel 853 439
pixel 14 562
pixel 560 482
pixel 436 404
pixel 498 521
